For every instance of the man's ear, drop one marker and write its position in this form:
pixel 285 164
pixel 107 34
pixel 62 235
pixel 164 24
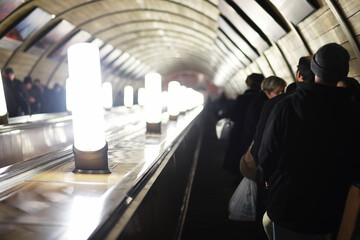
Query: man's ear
pixel 299 77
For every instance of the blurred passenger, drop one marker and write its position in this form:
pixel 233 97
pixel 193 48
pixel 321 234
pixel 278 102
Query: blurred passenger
pixel 237 114
pixel 308 152
pixel 119 99
pixel 271 87
pixel 38 91
pixel 58 99
pixel 353 87
pixel 14 94
pixel 29 94
pixel 222 107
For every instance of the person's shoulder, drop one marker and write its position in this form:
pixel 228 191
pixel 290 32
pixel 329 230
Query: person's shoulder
pixel 18 82
pixel 276 99
pixel 281 103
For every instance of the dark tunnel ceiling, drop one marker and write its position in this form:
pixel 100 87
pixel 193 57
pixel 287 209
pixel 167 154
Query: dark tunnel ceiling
pixel 214 37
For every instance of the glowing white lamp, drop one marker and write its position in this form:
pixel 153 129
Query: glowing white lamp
pixel 69 95
pixel 128 96
pixel 183 104
pixel 173 106
pixel 141 96
pixel 153 105
pixel 3 108
pixel 90 146
pixel 107 95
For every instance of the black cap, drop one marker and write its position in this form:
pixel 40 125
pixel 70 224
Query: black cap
pixel 9 71
pixel 331 62
pixel 27 80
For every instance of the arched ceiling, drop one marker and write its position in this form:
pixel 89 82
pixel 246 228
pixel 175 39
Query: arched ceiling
pixel 215 38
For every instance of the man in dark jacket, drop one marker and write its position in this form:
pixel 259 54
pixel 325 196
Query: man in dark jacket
pixel 237 114
pixel 15 94
pixel 308 152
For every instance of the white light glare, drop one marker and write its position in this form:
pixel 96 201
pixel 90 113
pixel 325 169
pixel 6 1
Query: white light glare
pixel 3 109
pixel 88 118
pixel 191 98
pixel 107 95
pixel 69 95
pixel 173 106
pixel 153 106
pixel 128 96
pixel 141 96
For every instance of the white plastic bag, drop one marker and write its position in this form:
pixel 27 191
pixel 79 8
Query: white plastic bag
pixel 242 203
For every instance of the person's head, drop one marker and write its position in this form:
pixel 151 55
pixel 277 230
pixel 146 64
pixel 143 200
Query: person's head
pixel 9 72
pixel 37 82
pixel 304 73
pixel 27 82
pixel 57 88
pixel 330 64
pixel 273 86
pixel 253 81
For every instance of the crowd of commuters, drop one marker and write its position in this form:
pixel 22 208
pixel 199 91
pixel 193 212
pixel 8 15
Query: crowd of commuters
pixel 31 97
pixel 300 147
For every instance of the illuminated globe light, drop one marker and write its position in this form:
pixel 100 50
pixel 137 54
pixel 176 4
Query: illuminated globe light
pixel 153 105
pixel 3 108
pixel 90 146
pixel 69 95
pixel 173 106
pixel 141 96
pixel 184 102
pixel 192 98
pixel 107 95
pixel 199 98
pixel 128 96
pixel 189 99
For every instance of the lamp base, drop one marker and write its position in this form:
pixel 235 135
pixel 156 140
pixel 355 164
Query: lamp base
pixel 4 119
pixel 153 127
pixel 173 118
pixel 94 162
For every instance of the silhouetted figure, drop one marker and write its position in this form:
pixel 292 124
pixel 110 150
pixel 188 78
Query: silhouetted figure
pixel 38 91
pixel 58 99
pixel 15 94
pixel 119 99
pixel 237 114
pixel 30 95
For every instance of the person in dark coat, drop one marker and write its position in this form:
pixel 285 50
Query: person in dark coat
pixel 58 99
pixel 303 74
pixel 38 92
pixel 271 87
pixel 308 152
pixel 237 114
pixel 30 95
pixel 15 95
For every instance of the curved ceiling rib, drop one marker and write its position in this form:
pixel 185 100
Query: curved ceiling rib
pixel 200 31
pixel 213 37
